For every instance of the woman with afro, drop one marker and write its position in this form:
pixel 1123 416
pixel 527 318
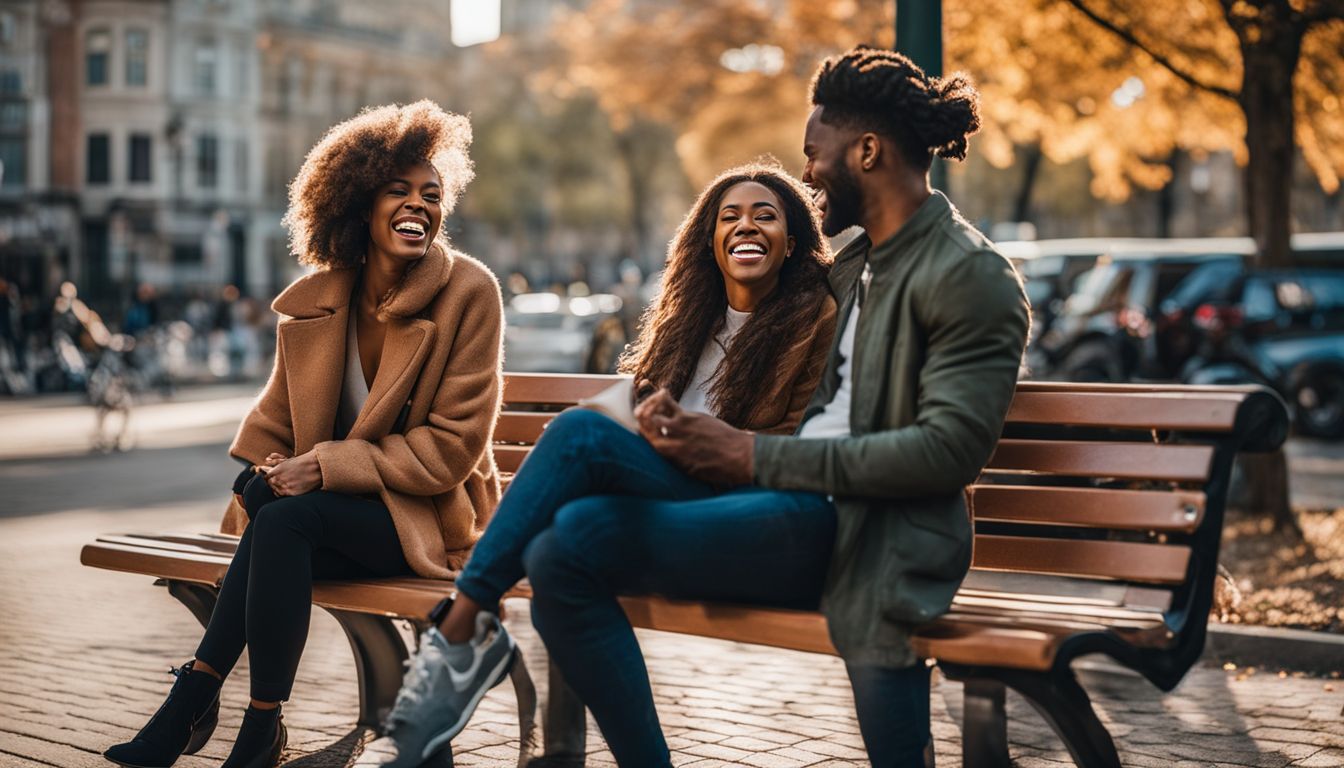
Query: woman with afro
pixel 741 330
pixel 368 450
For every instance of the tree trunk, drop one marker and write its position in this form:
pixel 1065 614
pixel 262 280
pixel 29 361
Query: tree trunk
pixel 1031 165
pixel 1270 51
pixel 1260 488
pixel 637 174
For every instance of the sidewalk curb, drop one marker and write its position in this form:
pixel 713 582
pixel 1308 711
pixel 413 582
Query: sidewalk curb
pixel 1268 647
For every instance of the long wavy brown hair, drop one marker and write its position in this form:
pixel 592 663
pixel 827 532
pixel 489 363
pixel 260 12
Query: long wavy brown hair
pixel 691 307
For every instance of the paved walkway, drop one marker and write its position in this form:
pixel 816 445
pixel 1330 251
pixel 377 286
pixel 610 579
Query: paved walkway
pixel 84 656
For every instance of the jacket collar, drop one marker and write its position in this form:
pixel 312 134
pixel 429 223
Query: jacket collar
pixel 328 291
pixel 934 210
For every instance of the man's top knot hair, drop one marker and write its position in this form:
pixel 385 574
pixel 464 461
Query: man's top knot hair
pixel 877 90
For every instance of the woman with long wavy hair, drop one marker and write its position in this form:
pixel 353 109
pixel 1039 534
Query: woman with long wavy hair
pixel 741 330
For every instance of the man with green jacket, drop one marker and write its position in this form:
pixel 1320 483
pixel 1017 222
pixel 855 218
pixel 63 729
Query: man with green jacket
pixel 932 327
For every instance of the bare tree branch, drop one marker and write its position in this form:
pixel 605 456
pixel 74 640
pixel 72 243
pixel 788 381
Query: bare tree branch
pixel 1323 10
pixel 1130 38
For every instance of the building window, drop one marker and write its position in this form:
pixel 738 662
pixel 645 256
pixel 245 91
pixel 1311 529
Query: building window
pixel 11 82
pixel 240 175
pixel 13 117
pixel 141 165
pixel 205 72
pixel 137 57
pixel 97 51
pixel 207 161
pixel 13 161
pixel 188 254
pixel 98 168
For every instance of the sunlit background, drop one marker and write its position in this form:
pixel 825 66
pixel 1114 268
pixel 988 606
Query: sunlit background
pixel 147 147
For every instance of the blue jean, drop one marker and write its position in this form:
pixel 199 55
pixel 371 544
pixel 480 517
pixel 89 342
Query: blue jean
pixel 595 512
pixel 893 709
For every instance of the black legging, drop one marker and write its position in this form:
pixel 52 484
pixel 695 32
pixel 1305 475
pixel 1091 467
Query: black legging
pixel 266 598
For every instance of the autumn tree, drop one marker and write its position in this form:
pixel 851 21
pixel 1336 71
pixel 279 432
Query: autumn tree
pixel 1127 84
pixel 729 77
pixel 1124 85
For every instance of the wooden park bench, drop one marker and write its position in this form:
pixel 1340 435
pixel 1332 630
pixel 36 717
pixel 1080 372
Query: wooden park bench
pixel 1097 523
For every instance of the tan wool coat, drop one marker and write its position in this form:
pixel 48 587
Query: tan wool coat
pixel 422 442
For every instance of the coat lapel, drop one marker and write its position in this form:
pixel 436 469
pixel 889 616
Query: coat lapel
pixel 407 343
pixel 314 342
pixel 314 364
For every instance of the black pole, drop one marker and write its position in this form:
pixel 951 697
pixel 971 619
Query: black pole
pixel 919 35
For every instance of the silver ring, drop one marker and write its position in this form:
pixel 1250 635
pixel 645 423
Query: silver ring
pixel 662 431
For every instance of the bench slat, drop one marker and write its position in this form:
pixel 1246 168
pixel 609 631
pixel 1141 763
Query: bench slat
pixel 553 388
pixel 1089 507
pixel 1132 461
pixel 1120 560
pixel 173 544
pixel 993 605
pixel 1030 649
pixel 508 458
pixel 775 627
pixel 521 427
pixel 198 569
pixel 1195 412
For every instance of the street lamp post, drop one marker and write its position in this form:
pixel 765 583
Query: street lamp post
pixel 919 35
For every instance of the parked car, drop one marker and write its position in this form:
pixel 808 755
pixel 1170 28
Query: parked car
pixel 1050 270
pixel 1281 328
pixel 1319 249
pixel 1109 328
pixel 546 332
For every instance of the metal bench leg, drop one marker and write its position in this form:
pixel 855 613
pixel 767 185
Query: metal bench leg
pixel 566 724
pixel 379 656
pixel 198 598
pixel 984 732
pixel 1065 705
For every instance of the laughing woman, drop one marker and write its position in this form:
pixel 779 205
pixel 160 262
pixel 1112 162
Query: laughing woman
pixel 741 330
pixel 369 447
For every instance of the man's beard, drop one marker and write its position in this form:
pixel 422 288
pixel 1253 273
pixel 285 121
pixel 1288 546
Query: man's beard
pixel 842 203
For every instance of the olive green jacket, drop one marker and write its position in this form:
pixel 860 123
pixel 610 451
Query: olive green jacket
pixel 936 356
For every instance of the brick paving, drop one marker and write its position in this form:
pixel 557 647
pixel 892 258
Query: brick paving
pixel 84 656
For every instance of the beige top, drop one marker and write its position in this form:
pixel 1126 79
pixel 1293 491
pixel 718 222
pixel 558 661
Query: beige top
pixel 354 389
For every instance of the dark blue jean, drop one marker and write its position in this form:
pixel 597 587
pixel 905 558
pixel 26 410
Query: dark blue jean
pixel 893 709
pixel 595 512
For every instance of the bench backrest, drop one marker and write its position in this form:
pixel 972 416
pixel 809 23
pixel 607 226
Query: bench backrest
pixel 1114 487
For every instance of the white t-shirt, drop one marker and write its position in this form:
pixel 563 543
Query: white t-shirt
pixel 833 420
pixel 696 396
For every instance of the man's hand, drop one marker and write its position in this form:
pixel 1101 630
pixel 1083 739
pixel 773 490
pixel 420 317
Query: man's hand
pixel 700 445
pixel 293 477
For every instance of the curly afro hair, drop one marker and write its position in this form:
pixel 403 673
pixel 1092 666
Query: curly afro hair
pixel 335 187
pixel 871 89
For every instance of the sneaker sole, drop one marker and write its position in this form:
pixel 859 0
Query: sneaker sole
pixel 497 674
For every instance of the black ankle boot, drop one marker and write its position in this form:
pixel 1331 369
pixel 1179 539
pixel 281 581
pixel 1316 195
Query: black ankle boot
pixel 181 726
pixel 260 741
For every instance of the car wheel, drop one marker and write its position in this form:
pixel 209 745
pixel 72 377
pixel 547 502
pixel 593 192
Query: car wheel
pixel 1093 361
pixel 1320 405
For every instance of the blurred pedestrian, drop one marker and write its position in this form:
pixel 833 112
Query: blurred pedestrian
pixel 143 313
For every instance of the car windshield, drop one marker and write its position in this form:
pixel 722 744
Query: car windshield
pixel 1096 287
pixel 1210 283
